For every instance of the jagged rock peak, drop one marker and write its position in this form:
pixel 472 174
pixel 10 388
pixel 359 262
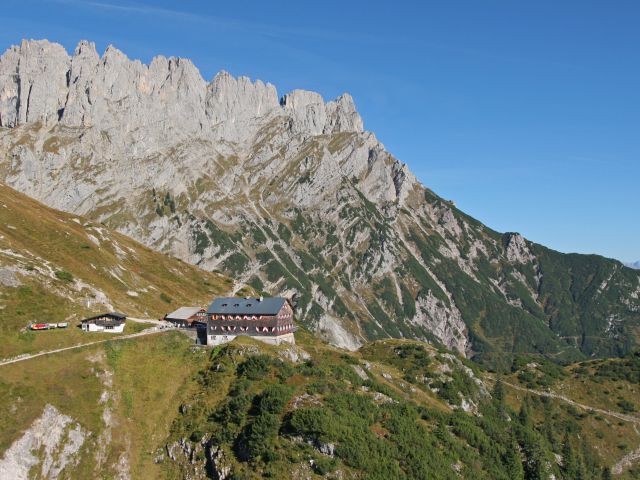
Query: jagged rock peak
pixel 85 48
pixel 41 82
pixel 234 99
pixel 311 114
pixel 343 115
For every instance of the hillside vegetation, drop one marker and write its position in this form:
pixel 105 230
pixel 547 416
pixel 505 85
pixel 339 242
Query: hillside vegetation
pixel 56 267
pixel 395 409
pixel 158 407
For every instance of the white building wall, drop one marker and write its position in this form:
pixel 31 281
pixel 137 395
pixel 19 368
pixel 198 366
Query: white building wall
pixel 92 327
pixel 213 340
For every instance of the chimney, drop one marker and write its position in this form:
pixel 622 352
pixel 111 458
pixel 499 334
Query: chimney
pixel 261 298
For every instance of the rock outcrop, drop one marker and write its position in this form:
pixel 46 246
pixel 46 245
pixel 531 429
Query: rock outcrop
pixel 47 447
pixel 517 249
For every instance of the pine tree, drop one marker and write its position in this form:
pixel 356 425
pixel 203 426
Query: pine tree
pixel 513 460
pixel 499 397
pixel 588 465
pixel 535 467
pixel 547 424
pixel 525 415
pixel 606 473
pixel 570 467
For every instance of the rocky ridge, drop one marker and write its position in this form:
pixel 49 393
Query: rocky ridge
pixel 292 195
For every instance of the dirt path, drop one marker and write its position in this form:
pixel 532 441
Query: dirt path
pixel 621 416
pixel 150 320
pixel 22 358
pixel 625 462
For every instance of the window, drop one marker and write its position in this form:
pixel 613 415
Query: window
pixel 224 305
pixel 236 304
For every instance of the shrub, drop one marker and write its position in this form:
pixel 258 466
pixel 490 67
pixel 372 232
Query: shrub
pixel 626 406
pixel 324 466
pixel 258 439
pixel 66 276
pixel 273 399
pixel 310 422
pixel 255 367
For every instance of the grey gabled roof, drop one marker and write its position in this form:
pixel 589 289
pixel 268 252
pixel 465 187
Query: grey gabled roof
pixel 183 313
pixel 246 306
pixel 113 315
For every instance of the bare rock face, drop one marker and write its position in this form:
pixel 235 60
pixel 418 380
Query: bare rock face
pixel 289 195
pixel 342 116
pixel 446 323
pixel 55 437
pixel 312 116
pixel 33 83
pixel 517 249
pixel 8 278
pixel 234 104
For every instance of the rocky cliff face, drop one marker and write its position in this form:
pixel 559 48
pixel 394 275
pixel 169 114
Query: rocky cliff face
pixel 293 196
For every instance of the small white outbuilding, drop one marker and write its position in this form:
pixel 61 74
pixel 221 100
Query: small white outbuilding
pixel 112 322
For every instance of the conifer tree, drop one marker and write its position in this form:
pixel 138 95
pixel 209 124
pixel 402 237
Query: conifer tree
pixel 513 460
pixel 525 415
pixel 570 467
pixel 535 466
pixel 499 397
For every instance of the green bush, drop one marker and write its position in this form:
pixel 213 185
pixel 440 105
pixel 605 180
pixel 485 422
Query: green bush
pixel 273 399
pixel 626 406
pixel 258 438
pixel 310 422
pixel 324 465
pixel 66 276
pixel 255 367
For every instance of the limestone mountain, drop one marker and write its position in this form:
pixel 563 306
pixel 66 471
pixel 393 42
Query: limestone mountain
pixel 292 195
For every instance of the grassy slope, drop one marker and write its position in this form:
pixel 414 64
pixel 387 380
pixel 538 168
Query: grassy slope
pixel 149 376
pixel 36 242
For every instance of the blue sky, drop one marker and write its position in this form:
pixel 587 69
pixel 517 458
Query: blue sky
pixel 527 114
